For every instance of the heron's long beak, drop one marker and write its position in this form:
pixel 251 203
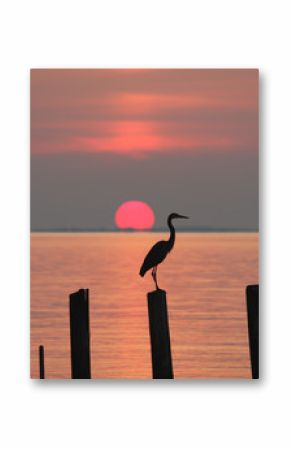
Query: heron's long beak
pixel 182 216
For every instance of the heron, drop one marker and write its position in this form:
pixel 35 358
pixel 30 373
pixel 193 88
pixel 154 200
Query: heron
pixel 159 251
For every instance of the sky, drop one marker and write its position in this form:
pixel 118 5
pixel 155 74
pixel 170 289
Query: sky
pixel 183 141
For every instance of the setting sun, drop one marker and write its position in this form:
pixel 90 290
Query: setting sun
pixel 134 215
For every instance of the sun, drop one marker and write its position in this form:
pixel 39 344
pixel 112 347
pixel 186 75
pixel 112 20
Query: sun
pixel 134 215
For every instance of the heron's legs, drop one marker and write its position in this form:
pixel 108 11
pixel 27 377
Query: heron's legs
pixel 157 287
pixel 154 275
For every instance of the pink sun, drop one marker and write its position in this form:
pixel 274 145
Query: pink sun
pixel 134 215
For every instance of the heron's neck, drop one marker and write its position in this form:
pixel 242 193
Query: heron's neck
pixel 172 235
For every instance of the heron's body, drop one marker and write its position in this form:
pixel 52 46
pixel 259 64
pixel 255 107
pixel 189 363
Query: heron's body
pixel 159 251
pixel 155 256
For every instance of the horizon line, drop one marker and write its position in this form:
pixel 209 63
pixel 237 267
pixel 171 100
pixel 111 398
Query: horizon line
pixel 129 230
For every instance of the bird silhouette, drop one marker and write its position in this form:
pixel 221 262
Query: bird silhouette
pixel 159 251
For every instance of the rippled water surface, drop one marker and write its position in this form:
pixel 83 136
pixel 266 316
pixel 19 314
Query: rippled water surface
pixel 204 276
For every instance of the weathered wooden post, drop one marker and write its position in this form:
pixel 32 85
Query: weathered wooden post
pixel 41 362
pixel 252 293
pixel 80 335
pixel 159 335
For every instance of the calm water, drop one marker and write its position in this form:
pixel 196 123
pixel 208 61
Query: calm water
pixel 205 278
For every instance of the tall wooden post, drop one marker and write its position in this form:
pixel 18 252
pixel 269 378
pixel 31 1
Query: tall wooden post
pixel 41 362
pixel 159 335
pixel 252 293
pixel 80 335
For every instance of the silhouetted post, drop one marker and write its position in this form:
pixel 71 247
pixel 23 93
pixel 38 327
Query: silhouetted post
pixel 41 362
pixel 80 335
pixel 159 335
pixel 252 293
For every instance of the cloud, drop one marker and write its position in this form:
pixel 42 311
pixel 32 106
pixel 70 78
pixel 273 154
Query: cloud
pixel 84 190
pixel 141 111
pixel 184 140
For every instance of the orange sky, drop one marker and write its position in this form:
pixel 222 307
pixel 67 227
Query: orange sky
pixel 137 112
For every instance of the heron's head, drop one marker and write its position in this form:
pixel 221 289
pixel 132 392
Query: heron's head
pixel 174 215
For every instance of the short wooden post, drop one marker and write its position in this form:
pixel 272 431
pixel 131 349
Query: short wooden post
pixel 159 335
pixel 80 335
pixel 41 362
pixel 252 293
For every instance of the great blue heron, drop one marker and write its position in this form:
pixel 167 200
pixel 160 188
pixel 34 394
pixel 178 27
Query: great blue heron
pixel 159 251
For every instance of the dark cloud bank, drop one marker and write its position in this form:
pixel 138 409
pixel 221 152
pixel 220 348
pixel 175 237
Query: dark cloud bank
pixel 82 191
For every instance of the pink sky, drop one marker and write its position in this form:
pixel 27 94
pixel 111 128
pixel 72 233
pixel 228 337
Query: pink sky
pixel 137 112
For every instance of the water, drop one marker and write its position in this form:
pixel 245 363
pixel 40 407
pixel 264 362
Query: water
pixel 204 276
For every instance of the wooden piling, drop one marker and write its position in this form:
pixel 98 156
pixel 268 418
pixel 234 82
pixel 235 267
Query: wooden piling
pixel 41 362
pixel 252 294
pixel 159 335
pixel 80 335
